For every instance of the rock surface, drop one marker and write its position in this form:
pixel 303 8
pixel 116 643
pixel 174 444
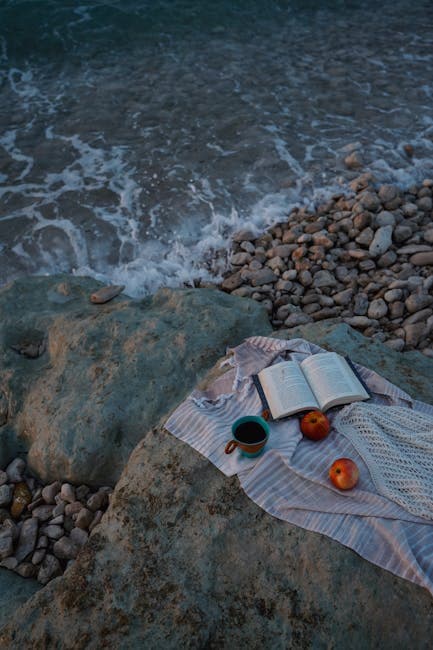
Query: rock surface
pixel 182 558
pixel 109 372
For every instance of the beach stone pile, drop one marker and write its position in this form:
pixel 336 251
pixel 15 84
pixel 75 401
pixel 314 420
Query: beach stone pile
pixel 365 259
pixel 43 527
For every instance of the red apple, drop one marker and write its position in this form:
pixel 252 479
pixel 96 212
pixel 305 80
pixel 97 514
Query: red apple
pixel 344 473
pixel 315 425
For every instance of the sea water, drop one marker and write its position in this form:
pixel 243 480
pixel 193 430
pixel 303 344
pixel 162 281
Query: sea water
pixel 137 135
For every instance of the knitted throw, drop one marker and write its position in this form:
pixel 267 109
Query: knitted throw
pixel 396 443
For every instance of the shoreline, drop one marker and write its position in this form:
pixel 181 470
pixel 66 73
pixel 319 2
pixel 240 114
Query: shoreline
pixel 365 260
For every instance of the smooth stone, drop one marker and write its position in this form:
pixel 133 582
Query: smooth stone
pixel 385 218
pixel 239 259
pixel 343 297
pixel 409 209
pixel 418 316
pixel 49 569
pixel 6 492
pixel 3 477
pixel 417 301
pixel 65 549
pixel 422 259
pixel 425 204
pixel 296 319
pixel 381 242
pixel 377 309
pixel 232 282
pixel 428 236
pixel 43 513
pixel 27 538
pixel 370 201
pixel 82 492
pixel 59 509
pixel 6 544
pixel 359 321
pixel 361 304
pixel 15 470
pixel 21 498
pixel 67 493
pixel 79 536
pixel 393 294
pixel 324 279
pixel 387 193
pixel 9 563
pixel 414 332
pixel 57 521
pixel 49 492
pixel 411 249
pixel 53 532
pixel 106 293
pixel 96 520
pixel 84 518
pixel 262 276
pixel 38 555
pixel 26 570
pixel 276 263
pixel 401 233
pixel 97 501
pixel 42 542
pixel 73 508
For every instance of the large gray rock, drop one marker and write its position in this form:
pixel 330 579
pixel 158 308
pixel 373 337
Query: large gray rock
pixel 183 558
pixel 85 382
pixel 14 592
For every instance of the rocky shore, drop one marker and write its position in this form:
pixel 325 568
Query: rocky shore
pixel 365 259
pixel 43 527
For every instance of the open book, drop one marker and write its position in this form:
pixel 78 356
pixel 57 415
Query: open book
pixel 319 382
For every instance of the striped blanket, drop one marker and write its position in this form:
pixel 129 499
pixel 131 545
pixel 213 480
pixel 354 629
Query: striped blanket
pixel 290 479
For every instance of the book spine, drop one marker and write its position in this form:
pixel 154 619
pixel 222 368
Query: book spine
pixel 358 376
pixel 264 401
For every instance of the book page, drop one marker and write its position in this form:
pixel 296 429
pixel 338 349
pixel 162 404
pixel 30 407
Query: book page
pixel 286 389
pixel 332 380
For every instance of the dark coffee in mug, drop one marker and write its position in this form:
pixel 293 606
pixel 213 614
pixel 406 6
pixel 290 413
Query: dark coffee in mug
pixel 250 433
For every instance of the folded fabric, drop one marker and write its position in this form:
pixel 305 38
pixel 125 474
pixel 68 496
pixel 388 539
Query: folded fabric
pixel 397 446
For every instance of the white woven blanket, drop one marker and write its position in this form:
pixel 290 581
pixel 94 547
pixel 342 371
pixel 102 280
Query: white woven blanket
pixel 397 446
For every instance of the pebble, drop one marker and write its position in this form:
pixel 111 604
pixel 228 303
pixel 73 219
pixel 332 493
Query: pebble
pixel 52 531
pixel 417 301
pixel 6 492
pixel 422 259
pixel 26 570
pixel 21 497
pixel 3 477
pixel 382 241
pixel 27 538
pixel 6 544
pixel 377 309
pixel 79 536
pixel 49 492
pixel 66 549
pixel 9 563
pixel 15 470
pixel 73 508
pixel 97 501
pixel 84 518
pixel 49 569
pixel 106 293
pixel 67 493
pixel 38 555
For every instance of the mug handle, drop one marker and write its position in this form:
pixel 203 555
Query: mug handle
pixel 230 446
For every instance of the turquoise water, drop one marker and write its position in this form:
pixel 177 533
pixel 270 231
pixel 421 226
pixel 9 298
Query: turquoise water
pixel 135 137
